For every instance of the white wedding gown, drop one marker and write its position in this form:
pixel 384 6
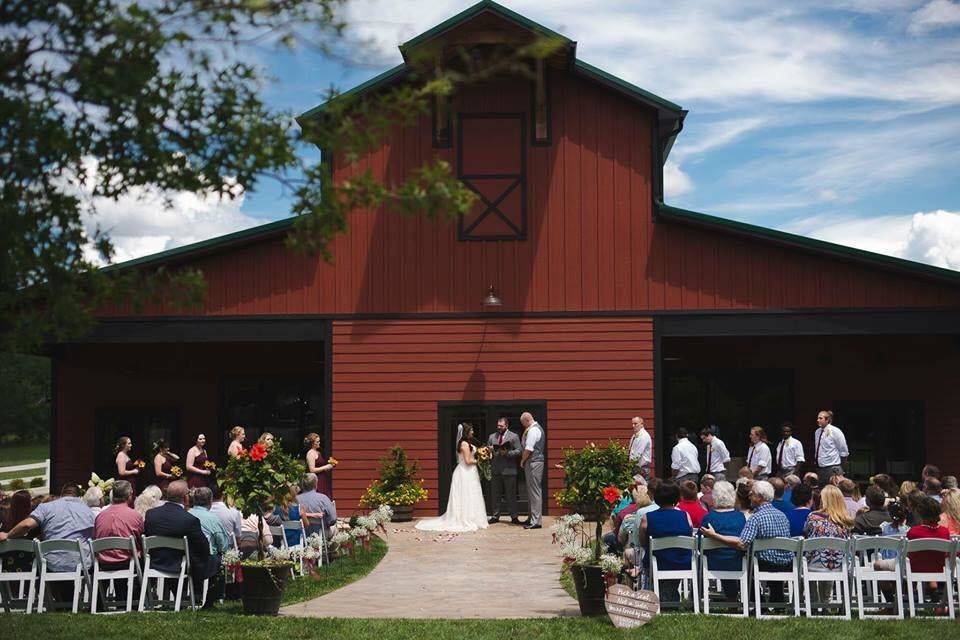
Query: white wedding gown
pixel 466 509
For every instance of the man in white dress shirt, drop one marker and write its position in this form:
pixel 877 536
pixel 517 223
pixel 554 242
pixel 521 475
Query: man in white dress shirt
pixel 531 460
pixel 830 448
pixel 759 459
pixel 789 455
pixel 641 449
pixel 717 454
pixel 685 459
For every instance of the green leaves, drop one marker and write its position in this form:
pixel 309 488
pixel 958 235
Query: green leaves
pixel 260 484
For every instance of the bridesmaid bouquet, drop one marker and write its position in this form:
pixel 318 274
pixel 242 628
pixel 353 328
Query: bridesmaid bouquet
pixel 176 472
pixel 333 461
pixel 139 464
pixel 210 465
pixel 484 455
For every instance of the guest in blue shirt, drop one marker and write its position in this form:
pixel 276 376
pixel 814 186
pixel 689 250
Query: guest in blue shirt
pixel 665 522
pixel 802 499
pixel 779 495
pixel 727 521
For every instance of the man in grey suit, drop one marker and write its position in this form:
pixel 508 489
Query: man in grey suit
pixel 534 443
pixel 503 470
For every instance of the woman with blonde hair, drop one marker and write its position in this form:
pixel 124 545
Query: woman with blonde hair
pixel 237 436
pixel 831 521
pixel 148 499
pixel 950 511
pixel 319 465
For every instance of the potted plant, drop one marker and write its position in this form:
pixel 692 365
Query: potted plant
pixel 594 480
pixel 397 487
pixel 256 479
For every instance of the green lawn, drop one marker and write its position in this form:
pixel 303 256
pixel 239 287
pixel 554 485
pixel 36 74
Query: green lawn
pixel 22 454
pixel 214 626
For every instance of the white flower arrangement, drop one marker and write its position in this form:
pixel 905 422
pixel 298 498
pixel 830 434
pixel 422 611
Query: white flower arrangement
pixel 611 564
pixel 231 557
pixel 340 538
pixel 572 519
pixel 360 532
pixel 366 522
pixel 283 555
pixel 382 514
pixel 577 553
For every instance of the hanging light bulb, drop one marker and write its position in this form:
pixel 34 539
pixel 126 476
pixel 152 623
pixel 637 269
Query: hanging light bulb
pixel 492 299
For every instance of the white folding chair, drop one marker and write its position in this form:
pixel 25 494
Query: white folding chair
pixel 131 573
pixel 151 573
pixel 865 551
pixel 916 579
pixel 792 577
pixel 675 542
pixel 838 577
pixel 296 525
pixel 233 542
pixel 78 575
pixel 742 576
pixel 279 540
pixel 18 578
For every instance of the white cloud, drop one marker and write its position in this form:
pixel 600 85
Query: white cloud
pixel 140 223
pixel 938 14
pixel 932 237
pixel 675 181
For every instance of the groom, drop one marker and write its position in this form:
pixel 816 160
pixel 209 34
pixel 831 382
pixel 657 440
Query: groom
pixel 504 470
pixel 534 445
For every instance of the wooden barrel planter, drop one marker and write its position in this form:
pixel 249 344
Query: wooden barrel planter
pixel 263 589
pixel 402 513
pixel 591 589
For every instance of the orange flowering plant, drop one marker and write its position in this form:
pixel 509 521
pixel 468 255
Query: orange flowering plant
pixel 259 480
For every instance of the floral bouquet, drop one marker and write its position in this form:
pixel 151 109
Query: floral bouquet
pixel 231 566
pixel 176 472
pixel 332 461
pixel 96 481
pixel 484 456
pixel 210 466
pixel 342 541
pixel 611 565
pixel 139 464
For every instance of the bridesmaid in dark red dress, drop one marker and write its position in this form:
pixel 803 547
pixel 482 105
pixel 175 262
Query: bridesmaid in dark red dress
pixel 319 465
pixel 197 474
pixel 127 468
pixel 163 464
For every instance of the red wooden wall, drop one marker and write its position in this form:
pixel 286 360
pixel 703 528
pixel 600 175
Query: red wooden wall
pixel 592 244
pixel 388 377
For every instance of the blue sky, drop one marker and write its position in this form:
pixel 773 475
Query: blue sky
pixel 837 119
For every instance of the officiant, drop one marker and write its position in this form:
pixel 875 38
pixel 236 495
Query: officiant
pixel 503 468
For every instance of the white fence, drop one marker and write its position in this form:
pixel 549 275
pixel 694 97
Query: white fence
pixel 36 466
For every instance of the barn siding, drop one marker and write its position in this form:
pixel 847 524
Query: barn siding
pixel 388 377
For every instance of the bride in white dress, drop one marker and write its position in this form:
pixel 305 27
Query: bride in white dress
pixel 466 509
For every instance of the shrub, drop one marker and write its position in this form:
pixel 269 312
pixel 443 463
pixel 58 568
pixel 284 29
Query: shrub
pixel 16 485
pixel 397 485
pixel 37 482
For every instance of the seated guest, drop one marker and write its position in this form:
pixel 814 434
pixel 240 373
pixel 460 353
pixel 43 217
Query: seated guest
pixel 886 483
pixel 316 507
pixel 18 508
pixel 627 498
pixel 689 503
pixel 896 528
pixel 811 479
pixel 949 482
pixel 766 522
pixel 906 488
pixel 950 511
pixel 725 520
pixel 707 482
pixel 832 521
pixel 201 498
pixel 910 501
pixel 665 522
pixel 932 488
pixel 927 511
pixel 868 523
pixel 630 522
pixel 250 527
pixel 743 504
pixel 290 511
pixel 854 503
pixel 230 517
pixel 120 521
pixel 802 500
pixel 929 471
pixel 791 481
pixel 171 519
pixel 779 491
pixel 148 499
pixel 93 498
pixel 745 472
pixel 67 518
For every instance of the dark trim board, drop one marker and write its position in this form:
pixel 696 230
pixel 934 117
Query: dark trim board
pixel 659 426
pixel 807 324
pixel 207 330
pixel 54 415
pixel 328 395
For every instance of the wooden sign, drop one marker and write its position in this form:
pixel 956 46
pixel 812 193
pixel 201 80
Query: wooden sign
pixel 628 608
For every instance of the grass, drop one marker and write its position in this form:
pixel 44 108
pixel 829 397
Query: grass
pixel 214 626
pixel 12 455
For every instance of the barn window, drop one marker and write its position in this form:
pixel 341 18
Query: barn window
pixel 491 161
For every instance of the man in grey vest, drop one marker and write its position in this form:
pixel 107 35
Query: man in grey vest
pixel 503 470
pixel 534 444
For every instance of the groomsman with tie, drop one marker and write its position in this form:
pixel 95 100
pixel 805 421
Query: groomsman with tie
pixel 685 458
pixel 641 449
pixel 503 468
pixel 717 454
pixel 789 452
pixel 830 448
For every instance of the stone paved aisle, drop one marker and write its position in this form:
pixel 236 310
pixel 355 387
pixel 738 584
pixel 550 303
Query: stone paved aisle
pixel 431 575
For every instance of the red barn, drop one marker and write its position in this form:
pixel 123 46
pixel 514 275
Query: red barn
pixel 614 304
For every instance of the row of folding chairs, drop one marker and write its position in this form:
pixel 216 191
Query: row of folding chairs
pixel 855 573
pixel 280 539
pixel 98 588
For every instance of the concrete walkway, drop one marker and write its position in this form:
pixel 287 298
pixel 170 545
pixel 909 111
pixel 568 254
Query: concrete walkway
pixel 431 575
